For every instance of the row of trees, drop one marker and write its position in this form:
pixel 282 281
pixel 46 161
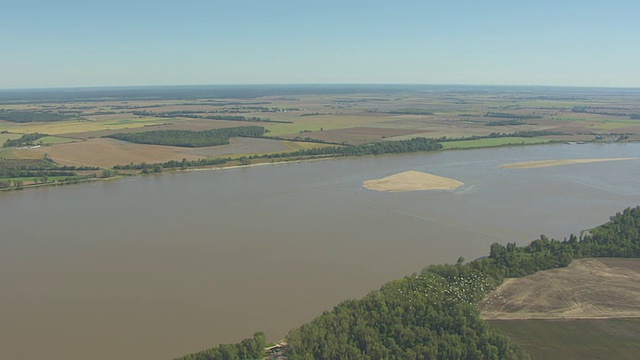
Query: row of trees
pixel 173 164
pixel 33 116
pixel 512 116
pixel 493 135
pixel 377 148
pixel 510 122
pixel 620 237
pixel 189 138
pixel 193 115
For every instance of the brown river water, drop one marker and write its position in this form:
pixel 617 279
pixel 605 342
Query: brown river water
pixel 160 266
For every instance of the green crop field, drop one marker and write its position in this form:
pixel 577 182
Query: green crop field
pixel 575 339
pixel 55 140
pixel 470 144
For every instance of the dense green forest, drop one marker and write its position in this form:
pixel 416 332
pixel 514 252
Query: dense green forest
pixel 432 315
pixel 252 348
pixel 189 138
pixel 24 140
pixel 34 116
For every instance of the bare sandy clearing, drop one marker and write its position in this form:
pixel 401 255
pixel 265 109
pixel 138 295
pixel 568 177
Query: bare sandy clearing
pixel 588 288
pixel 548 163
pixel 411 181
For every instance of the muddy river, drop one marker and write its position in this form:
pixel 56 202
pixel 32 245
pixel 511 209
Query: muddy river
pixel 160 266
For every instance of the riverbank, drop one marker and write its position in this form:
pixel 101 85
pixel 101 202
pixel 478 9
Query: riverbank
pixel 406 182
pixel 549 163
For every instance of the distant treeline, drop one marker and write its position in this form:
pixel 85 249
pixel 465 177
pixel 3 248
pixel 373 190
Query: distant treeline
pixel 635 116
pixel 377 148
pixel 405 112
pixel 590 110
pixel 620 237
pixel 37 168
pixel 526 134
pixel 24 140
pixel 512 116
pixel 35 116
pixel 433 315
pixel 189 138
pixel 506 123
pixel 192 115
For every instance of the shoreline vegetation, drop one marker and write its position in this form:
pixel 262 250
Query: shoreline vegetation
pixel 408 181
pixel 435 314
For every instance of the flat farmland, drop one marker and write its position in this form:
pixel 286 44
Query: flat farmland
pixel 471 144
pixel 167 124
pixel 575 339
pixel 324 116
pixel 357 135
pixel 75 126
pixel 588 310
pixel 313 123
pixel 241 146
pixel 109 152
pixel 5 137
pixel 587 288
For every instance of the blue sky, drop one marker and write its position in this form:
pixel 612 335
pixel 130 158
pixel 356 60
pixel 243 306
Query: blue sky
pixel 69 43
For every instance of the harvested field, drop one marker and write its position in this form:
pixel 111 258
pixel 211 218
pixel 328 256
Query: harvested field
pixel 169 124
pixel 357 135
pixel 412 181
pixel 586 289
pixel 241 145
pixel 110 152
pixel 548 163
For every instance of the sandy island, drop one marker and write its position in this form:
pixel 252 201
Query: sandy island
pixel 548 163
pixel 411 181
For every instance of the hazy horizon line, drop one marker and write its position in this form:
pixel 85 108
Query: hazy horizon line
pixel 80 87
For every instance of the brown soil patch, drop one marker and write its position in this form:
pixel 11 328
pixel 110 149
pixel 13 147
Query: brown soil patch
pixel 110 152
pixel 357 135
pixel 548 163
pixel 588 288
pixel 169 124
pixel 411 181
pixel 239 146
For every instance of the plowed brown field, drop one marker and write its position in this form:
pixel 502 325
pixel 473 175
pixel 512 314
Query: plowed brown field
pixel 586 289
